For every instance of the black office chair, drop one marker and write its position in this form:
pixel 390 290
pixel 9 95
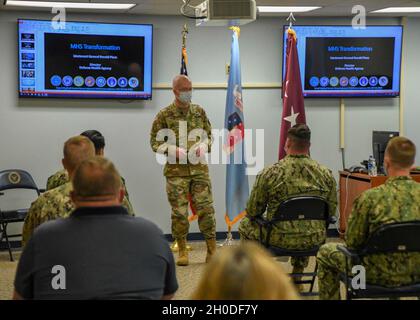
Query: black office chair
pixel 14 179
pixel 297 209
pixel 390 238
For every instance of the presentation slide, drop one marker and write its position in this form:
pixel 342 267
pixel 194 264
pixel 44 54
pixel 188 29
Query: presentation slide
pixel 346 62
pixel 85 60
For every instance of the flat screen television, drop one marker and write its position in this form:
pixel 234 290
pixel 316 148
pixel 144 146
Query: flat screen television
pixel 340 61
pixel 85 60
pixel 380 141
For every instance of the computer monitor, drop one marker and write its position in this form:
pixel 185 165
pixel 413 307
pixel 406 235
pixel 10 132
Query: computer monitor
pixel 380 140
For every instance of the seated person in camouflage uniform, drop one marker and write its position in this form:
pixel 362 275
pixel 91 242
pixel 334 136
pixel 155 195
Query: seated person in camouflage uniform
pixel 296 175
pixel 56 203
pixel 398 200
pixel 61 177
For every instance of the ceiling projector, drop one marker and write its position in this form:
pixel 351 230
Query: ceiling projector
pixel 219 13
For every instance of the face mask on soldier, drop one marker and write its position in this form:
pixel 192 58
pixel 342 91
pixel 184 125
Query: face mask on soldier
pixel 185 97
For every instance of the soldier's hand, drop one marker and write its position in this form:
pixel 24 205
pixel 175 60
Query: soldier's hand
pixel 181 153
pixel 201 150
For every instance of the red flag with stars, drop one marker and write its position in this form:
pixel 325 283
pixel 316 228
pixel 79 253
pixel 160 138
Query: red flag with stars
pixel 293 101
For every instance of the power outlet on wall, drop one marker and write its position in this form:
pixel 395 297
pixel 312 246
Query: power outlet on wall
pixel 227 69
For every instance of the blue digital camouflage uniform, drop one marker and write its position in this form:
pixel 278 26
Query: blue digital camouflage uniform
pixel 398 200
pixel 186 178
pixel 50 205
pixel 292 176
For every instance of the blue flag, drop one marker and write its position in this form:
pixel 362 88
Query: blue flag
pixel 237 188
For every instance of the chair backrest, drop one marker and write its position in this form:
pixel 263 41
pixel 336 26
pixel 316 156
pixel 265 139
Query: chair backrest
pixel 302 208
pixel 17 179
pixel 393 238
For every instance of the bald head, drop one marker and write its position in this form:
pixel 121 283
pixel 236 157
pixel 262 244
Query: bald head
pixel 76 150
pixel 182 88
pixel 181 82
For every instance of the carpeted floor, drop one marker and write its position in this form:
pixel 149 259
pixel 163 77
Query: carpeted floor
pixel 7 275
pixel 188 277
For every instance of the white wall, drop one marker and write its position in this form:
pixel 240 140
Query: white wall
pixel 411 83
pixel 32 131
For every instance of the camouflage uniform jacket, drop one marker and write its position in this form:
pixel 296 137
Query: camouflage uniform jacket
pixel 61 177
pixel 57 179
pixel 176 119
pixel 290 177
pixel 398 200
pixel 51 205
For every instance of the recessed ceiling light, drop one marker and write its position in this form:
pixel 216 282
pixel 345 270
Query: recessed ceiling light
pixel 398 10
pixel 281 9
pixel 71 5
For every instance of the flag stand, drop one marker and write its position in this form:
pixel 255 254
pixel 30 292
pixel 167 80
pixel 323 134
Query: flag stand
pixel 184 62
pixel 229 239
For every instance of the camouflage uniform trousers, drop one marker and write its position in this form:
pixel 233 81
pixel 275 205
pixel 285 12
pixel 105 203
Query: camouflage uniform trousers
pixel 249 230
pixel 389 270
pixel 199 186
pixel 331 263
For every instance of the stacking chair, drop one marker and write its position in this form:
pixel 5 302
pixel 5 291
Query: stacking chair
pixel 390 238
pixel 297 209
pixel 13 179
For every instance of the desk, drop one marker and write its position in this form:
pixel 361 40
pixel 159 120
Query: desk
pixel 352 185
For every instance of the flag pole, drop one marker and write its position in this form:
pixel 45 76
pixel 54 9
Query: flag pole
pixel 184 36
pixel 174 245
pixel 291 18
pixel 229 238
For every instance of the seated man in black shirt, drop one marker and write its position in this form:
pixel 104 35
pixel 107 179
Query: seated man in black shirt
pixel 100 251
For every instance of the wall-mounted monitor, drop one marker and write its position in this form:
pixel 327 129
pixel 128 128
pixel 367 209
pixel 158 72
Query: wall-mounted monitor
pixel 341 61
pixel 85 60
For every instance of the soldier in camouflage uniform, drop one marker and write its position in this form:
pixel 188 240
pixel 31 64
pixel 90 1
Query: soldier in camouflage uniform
pixel 61 177
pixel 186 171
pixel 57 179
pixel 56 203
pixel 296 175
pixel 398 200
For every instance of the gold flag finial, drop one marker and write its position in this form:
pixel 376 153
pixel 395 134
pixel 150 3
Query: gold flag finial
pixel 290 30
pixel 292 33
pixel 236 29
